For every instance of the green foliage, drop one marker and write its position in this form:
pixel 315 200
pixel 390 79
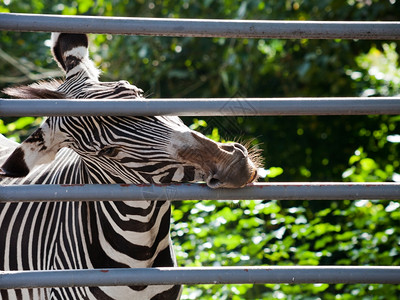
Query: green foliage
pixel 348 148
pixel 220 233
pixel 20 128
pixel 380 68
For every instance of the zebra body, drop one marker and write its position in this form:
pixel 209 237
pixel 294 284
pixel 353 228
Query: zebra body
pixel 83 235
pixel 102 150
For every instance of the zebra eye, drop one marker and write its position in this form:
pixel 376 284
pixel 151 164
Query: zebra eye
pixel 108 151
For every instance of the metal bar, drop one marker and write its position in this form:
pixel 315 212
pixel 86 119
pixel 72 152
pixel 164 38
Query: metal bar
pixel 200 275
pixel 201 106
pixel 179 192
pixel 202 28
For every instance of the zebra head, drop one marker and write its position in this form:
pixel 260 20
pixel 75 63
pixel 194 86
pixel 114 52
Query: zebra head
pixel 122 149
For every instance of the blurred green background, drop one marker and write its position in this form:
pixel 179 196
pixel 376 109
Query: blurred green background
pixel 312 148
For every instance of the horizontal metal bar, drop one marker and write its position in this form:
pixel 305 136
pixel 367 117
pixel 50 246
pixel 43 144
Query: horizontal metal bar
pixel 200 275
pixel 202 27
pixel 202 106
pixel 179 192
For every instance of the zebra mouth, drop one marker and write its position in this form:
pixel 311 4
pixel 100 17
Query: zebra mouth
pixel 233 178
pixel 253 177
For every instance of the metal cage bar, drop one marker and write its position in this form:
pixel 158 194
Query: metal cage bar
pixel 200 275
pixel 195 107
pixel 202 28
pixel 179 192
pixel 202 106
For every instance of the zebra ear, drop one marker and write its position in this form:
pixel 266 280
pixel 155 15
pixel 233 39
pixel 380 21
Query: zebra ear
pixel 39 148
pixel 72 55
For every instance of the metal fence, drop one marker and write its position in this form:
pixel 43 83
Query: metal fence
pixel 194 107
pixel 203 107
pixel 202 28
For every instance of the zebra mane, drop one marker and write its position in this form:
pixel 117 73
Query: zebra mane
pixel 39 90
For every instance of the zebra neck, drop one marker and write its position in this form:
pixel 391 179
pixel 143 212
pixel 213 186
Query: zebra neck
pixel 112 224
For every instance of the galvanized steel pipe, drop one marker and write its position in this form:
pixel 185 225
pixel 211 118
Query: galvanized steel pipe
pixel 202 107
pixel 179 192
pixel 202 27
pixel 200 275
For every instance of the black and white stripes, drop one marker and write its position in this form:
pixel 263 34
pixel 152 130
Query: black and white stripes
pixel 80 235
pixel 102 150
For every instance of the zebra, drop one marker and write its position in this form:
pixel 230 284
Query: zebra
pixel 102 150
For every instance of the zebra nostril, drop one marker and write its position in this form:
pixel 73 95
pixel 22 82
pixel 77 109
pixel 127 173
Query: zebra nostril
pixel 228 147
pixel 241 147
pixel 213 182
pixel 232 147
